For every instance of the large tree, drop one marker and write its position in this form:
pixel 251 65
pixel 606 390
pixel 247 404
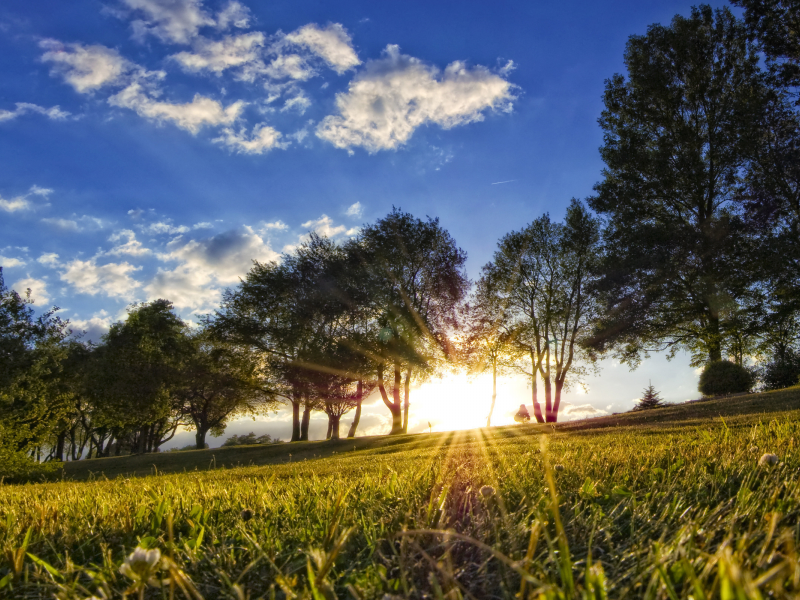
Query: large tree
pixel 678 132
pixel 136 374
pixel 541 278
pixel 415 276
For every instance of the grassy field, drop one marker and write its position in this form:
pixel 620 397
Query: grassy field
pixel 671 503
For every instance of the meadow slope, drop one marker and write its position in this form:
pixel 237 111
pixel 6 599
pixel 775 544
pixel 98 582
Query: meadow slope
pixel 670 503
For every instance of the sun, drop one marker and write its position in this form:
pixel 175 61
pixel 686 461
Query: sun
pixel 459 402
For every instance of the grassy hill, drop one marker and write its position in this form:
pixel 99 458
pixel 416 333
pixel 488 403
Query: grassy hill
pixel 733 410
pixel 669 503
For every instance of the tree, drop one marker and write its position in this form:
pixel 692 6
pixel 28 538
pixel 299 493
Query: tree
pixel 678 133
pixel 522 416
pixel 542 276
pixel 219 381
pixel 650 399
pixel 414 273
pixel 32 351
pixel 136 374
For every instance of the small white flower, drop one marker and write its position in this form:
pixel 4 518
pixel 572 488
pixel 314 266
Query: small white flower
pixel 768 460
pixel 141 565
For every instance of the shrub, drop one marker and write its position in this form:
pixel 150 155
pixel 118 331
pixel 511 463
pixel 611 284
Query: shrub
pixel 782 371
pixel 724 377
pixel 522 416
pixel 249 439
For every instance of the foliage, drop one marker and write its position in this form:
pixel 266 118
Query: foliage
pixel 678 132
pixel 650 399
pixel 652 511
pixel 776 26
pixel 724 377
pixel 249 439
pixel 522 415
pixel 32 350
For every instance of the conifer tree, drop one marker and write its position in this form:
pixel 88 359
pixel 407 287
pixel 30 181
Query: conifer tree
pixel 650 399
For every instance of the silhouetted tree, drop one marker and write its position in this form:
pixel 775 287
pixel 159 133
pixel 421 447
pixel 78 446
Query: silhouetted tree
pixel 522 416
pixel 678 133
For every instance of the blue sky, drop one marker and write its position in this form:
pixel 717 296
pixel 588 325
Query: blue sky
pixel 152 148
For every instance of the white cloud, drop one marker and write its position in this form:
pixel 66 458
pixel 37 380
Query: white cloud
pixel 206 266
pixel 324 226
pixel 397 93
pixel 277 225
pixel 203 225
pixel 162 227
pixel 86 68
pixel 38 289
pixel 9 262
pixel 76 224
pixel 15 204
pixel 93 328
pixel 23 202
pixel 169 20
pixel 127 244
pixel 355 210
pixel 54 112
pixel 292 66
pixel 262 139
pixel 215 56
pixel 571 412
pixel 49 259
pixel 234 14
pixel 298 102
pixel 191 116
pixel 112 279
pixel 332 44
pixel 40 191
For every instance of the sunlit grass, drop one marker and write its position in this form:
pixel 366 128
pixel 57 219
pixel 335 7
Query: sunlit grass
pixel 669 511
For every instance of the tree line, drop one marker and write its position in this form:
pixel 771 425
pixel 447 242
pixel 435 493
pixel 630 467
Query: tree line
pixel 690 242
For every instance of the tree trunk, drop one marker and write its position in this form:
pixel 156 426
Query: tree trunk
pixel 394 407
pixel 714 343
pixel 330 427
pixel 552 417
pixel 406 385
pixel 200 438
pixel 494 393
pixel 295 419
pixel 334 428
pixel 537 408
pixel 306 420
pixel 357 417
pixel 59 454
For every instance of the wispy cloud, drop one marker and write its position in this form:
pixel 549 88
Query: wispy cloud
pixel 501 182
pixel 22 108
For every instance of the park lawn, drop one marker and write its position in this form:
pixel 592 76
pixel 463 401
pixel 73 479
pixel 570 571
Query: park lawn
pixel 669 503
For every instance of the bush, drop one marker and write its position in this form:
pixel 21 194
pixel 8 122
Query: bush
pixel 249 439
pixel 724 377
pixel 782 372
pixel 18 467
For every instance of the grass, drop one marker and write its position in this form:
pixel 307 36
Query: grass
pixel 669 503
